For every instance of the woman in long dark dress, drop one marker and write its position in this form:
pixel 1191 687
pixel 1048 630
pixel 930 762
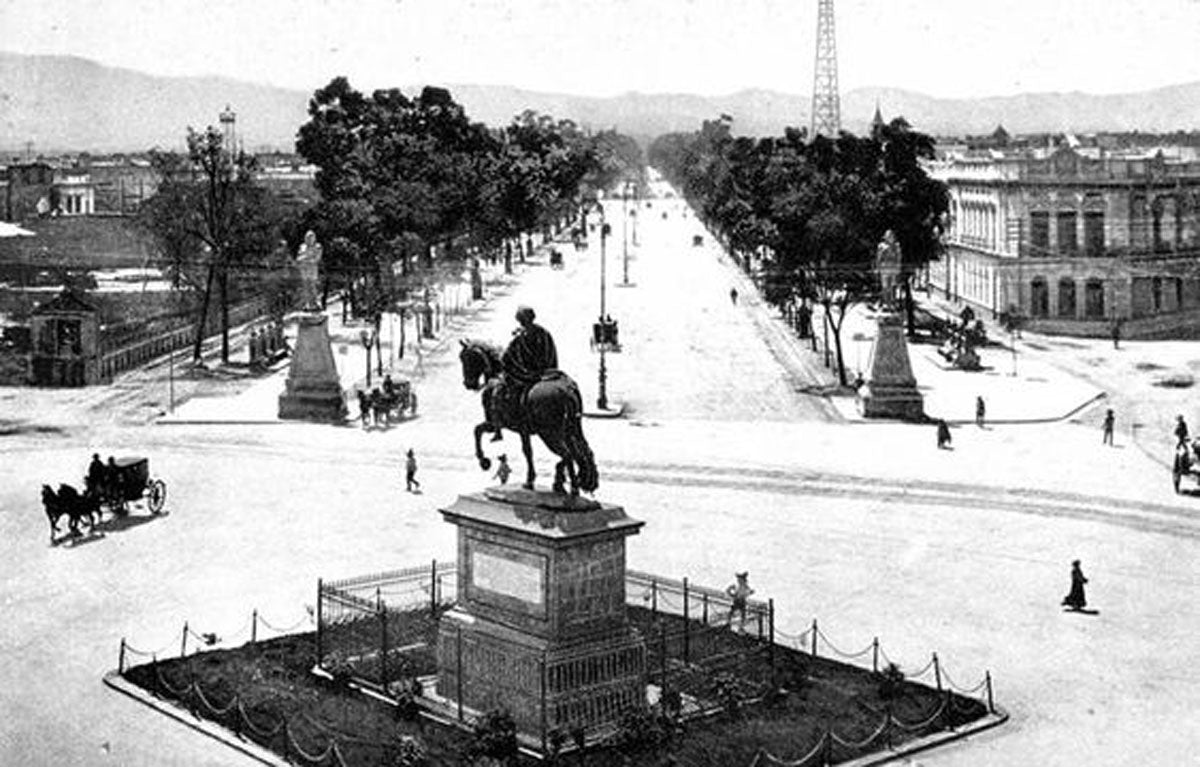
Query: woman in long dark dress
pixel 1076 599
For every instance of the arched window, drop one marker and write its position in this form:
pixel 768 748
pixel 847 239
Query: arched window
pixel 1039 298
pixel 1093 299
pixel 1066 297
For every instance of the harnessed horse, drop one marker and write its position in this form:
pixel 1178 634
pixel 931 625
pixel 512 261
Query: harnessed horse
pixel 551 408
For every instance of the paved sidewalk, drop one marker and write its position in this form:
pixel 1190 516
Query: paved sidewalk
pixel 1024 388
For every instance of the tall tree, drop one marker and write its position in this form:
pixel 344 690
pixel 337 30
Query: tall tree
pixel 213 223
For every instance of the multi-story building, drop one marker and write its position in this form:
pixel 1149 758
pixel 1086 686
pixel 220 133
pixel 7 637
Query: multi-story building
pixel 1075 238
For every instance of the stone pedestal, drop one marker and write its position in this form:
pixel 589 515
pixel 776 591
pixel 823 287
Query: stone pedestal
pixel 890 390
pixel 540 628
pixel 313 391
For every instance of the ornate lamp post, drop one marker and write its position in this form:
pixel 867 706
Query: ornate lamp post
pixel 589 204
pixel 367 336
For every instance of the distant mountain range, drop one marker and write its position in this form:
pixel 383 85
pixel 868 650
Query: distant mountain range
pixel 63 103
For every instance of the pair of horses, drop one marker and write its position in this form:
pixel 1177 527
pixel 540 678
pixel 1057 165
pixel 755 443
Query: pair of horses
pixel 70 503
pixel 551 409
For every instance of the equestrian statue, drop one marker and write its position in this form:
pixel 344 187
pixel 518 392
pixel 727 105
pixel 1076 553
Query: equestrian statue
pixel 524 391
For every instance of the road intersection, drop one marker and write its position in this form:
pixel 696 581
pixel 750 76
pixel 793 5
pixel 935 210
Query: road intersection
pixel 867 527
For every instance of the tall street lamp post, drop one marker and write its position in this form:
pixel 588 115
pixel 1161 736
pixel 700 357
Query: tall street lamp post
pixel 602 396
pixel 367 337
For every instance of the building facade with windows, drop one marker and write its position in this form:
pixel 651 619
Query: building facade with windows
pixel 1075 238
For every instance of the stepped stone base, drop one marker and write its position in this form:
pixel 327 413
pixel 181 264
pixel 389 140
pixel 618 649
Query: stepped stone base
pixel 313 391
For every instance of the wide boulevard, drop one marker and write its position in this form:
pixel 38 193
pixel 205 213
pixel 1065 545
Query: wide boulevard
pixel 726 449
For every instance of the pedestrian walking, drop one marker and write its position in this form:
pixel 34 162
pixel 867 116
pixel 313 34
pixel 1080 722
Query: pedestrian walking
pixel 943 435
pixel 980 411
pixel 1181 431
pixel 1075 598
pixel 410 472
pixel 733 294
pixel 1116 334
pixel 1109 420
pixel 503 471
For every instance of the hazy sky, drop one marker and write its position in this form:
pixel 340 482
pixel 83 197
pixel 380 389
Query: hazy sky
pixel 603 47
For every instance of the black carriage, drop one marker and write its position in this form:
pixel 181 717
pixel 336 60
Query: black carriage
pixel 1185 464
pixel 127 481
pixel 394 401
pixel 605 335
pixel 556 259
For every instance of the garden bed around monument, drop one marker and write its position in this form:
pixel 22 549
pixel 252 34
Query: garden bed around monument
pixel 739 699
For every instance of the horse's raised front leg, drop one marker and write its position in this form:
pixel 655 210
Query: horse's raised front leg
pixel 527 450
pixel 485 463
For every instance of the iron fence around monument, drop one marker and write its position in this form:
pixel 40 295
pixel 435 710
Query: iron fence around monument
pixel 381 629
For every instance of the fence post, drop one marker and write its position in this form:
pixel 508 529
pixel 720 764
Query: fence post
pixel 121 659
pixel 937 672
pixel 543 681
pixel 687 626
pixel 383 649
pixel 654 597
pixel 254 627
pixel 987 677
pixel 704 603
pixel 320 592
pixel 183 640
pixel 771 638
pixel 875 655
pixel 433 583
pixel 458 649
pixel 662 633
pixel 814 638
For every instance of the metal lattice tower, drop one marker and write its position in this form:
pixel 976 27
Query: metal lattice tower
pixel 826 107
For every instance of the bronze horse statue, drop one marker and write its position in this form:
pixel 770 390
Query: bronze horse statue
pixel 552 409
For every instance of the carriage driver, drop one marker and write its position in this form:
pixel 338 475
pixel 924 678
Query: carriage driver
pixel 96 475
pixel 529 355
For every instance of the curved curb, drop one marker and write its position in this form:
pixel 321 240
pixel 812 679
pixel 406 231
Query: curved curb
pixel 971 421
pixel 114 680
pixel 609 413
pixel 932 741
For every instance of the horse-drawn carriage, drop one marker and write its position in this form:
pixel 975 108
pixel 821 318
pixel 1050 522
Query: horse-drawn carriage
pixel 392 401
pixel 113 487
pixel 605 335
pixel 1185 463
pixel 556 259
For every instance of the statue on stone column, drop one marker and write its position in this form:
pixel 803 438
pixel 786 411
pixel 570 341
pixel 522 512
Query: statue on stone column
pixel 308 260
pixel 888 263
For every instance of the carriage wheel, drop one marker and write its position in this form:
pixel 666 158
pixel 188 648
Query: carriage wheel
pixel 157 495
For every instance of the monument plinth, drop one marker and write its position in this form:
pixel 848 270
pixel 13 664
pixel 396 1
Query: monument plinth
pixel 540 628
pixel 313 391
pixel 890 390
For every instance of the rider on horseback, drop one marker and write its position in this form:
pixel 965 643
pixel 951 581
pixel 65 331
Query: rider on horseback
pixel 530 355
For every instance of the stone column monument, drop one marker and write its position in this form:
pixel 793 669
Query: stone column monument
pixel 539 628
pixel 313 391
pixel 890 390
